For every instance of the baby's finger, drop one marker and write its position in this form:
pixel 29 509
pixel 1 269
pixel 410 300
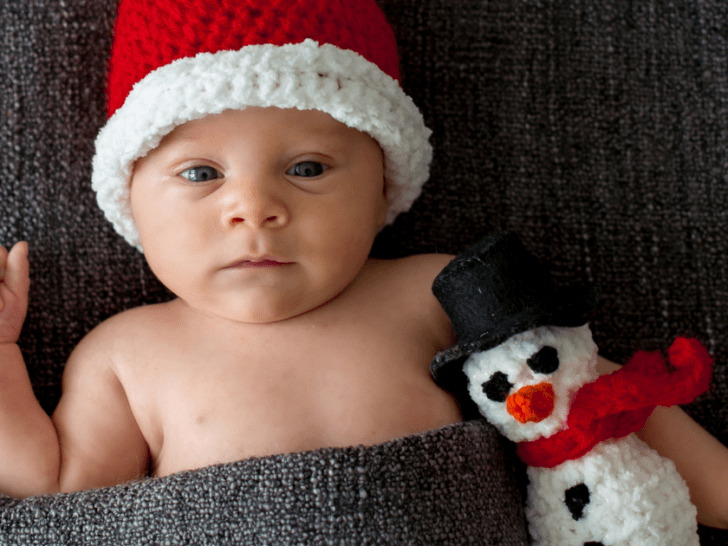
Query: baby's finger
pixel 16 270
pixel 3 260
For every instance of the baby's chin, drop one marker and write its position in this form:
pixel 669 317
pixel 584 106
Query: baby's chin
pixel 268 313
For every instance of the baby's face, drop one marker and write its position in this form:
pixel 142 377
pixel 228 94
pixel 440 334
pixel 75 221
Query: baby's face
pixel 259 215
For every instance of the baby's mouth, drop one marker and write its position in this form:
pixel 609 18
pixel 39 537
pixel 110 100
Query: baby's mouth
pixel 259 262
pixel 263 263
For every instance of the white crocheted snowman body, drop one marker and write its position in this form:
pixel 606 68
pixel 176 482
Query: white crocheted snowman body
pixel 621 493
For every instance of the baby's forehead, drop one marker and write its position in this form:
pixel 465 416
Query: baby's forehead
pixel 292 121
pixel 287 131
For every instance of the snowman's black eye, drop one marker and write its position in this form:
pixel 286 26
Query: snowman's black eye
pixel 545 360
pixel 497 387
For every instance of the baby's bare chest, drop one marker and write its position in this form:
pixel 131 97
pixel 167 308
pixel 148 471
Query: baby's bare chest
pixel 217 398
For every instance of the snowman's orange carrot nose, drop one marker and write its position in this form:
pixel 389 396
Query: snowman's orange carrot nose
pixel 531 403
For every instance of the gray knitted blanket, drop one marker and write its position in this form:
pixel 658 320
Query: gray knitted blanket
pixel 453 485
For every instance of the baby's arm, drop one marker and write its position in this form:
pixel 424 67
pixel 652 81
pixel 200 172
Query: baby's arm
pixel 100 440
pixel 700 459
pixel 28 442
pixel 95 440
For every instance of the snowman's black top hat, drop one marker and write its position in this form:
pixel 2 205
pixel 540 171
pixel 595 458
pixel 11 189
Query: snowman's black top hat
pixel 495 290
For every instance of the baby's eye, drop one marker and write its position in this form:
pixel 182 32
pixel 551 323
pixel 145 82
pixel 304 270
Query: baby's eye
pixel 200 174
pixel 306 169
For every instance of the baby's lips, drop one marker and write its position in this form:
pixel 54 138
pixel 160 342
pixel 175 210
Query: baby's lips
pixel 532 403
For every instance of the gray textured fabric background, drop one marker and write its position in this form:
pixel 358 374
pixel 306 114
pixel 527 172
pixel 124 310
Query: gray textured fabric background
pixel 596 129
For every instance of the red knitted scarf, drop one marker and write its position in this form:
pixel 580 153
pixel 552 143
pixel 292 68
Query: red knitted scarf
pixel 619 403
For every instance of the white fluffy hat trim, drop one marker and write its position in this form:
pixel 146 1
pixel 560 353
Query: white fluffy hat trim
pixel 307 76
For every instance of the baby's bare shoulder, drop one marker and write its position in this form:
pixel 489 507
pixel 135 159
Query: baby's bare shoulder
pixel 119 335
pixel 101 440
pixel 406 286
pixel 416 270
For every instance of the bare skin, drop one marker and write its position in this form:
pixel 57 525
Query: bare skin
pixel 168 385
pixel 206 391
pixel 285 336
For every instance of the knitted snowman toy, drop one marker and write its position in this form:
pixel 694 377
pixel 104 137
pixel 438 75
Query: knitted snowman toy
pixel 174 61
pixel 526 358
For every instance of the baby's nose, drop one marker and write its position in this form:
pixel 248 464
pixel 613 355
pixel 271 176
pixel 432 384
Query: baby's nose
pixel 532 403
pixel 254 206
pixel 259 219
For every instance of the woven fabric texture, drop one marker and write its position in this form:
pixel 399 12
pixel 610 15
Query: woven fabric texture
pixel 595 129
pixel 156 32
pixel 449 486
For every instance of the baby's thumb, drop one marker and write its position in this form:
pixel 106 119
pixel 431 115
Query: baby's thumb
pixel 16 272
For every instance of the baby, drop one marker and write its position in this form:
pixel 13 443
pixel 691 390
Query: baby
pixel 255 179
pixel 254 169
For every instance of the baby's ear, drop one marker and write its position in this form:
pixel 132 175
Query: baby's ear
pixel 382 216
pixel 385 182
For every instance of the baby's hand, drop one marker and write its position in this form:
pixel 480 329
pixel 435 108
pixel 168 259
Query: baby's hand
pixel 14 283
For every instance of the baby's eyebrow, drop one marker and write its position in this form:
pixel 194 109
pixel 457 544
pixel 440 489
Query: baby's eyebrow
pixel 338 138
pixel 181 135
pixel 319 131
pixel 332 137
pixel 177 137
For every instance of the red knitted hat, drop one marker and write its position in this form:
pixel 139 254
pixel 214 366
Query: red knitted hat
pixel 173 61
